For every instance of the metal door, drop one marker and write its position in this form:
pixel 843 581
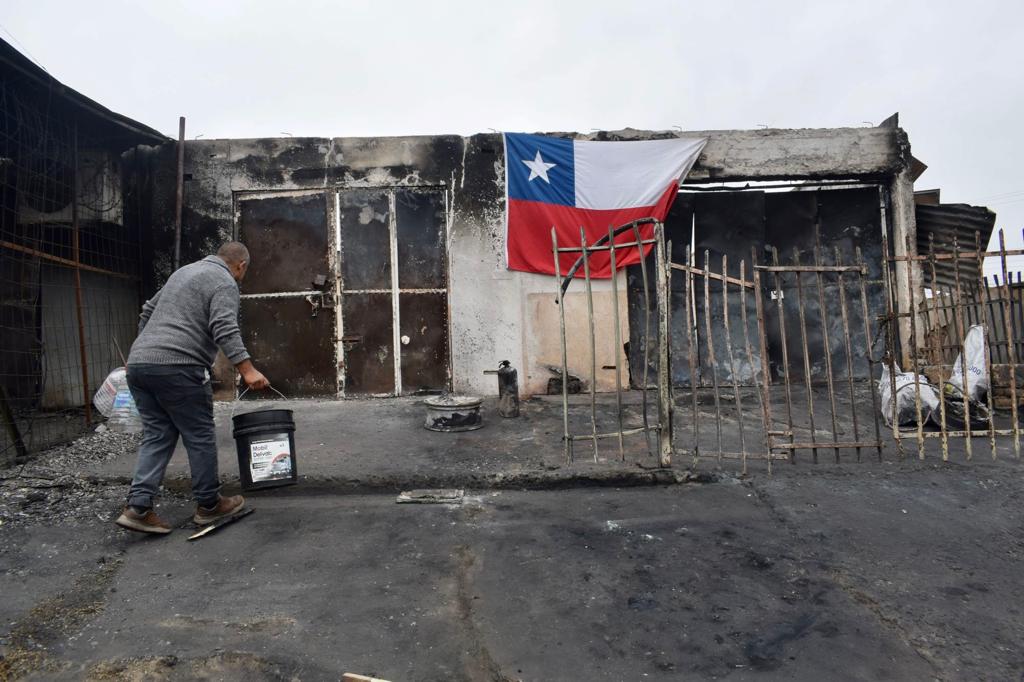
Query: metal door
pixel 287 309
pixel 393 286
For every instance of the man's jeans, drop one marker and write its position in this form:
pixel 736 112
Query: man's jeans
pixel 173 400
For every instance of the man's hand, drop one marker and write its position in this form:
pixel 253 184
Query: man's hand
pixel 253 378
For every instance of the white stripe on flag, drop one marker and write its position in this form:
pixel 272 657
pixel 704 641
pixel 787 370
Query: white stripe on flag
pixel 613 175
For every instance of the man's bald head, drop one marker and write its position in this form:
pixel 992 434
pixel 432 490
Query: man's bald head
pixel 233 252
pixel 236 256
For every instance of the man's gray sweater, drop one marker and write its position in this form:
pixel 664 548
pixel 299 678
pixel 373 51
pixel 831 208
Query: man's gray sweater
pixel 196 311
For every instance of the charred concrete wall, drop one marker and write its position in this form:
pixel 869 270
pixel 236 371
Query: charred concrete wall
pixel 495 314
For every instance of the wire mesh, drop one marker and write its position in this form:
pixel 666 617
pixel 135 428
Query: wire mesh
pixel 69 269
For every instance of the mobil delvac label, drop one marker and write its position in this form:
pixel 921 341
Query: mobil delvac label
pixel 270 458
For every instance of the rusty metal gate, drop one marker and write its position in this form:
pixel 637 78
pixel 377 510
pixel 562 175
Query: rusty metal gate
pixel 347 292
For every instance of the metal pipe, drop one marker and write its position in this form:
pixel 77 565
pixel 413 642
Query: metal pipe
pixel 692 353
pixel 711 356
pixel 807 354
pixel 593 342
pixel 785 352
pixel 664 369
pixel 826 341
pixel 890 332
pixel 844 314
pixel 876 415
pixel 179 192
pixel 914 361
pixel 76 258
pixel 732 362
pixel 763 394
pixel 982 282
pixel 646 338
pixel 566 439
pixel 1011 348
pixel 942 393
pixel 618 341
pixel 961 334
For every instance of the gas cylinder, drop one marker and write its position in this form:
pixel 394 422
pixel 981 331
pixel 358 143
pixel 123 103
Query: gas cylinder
pixel 508 390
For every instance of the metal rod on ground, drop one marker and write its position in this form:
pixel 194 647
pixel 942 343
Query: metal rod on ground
pixel 826 341
pixel 785 356
pixel 875 413
pixel 76 257
pixel 807 354
pixel 732 362
pixel 763 396
pixel 593 341
pixel 983 283
pixel 944 431
pixel 914 361
pixel 664 370
pixel 646 338
pixel 890 333
pixel 844 314
pixel 1011 347
pixel 566 439
pixel 179 192
pixel 692 351
pixel 961 335
pixel 618 336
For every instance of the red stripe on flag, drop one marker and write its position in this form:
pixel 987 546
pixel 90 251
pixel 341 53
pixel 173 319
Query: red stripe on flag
pixel 529 234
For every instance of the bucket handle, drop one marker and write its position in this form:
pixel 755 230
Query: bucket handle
pixel 234 404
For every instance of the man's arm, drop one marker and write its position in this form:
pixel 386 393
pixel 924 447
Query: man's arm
pixel 147 310
pixel 225 332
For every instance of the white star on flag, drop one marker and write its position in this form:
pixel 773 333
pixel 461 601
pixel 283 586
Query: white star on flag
pixel 539 168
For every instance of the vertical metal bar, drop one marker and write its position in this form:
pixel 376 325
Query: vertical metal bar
pixel 396 322
pixel 868 339
pixel 826 341
pixel 566 438
pixel 711 352
pixel 807 354
pixel 692 351
pixel 76 257
pixel 179 192
pixel 664 370
pixel 1011 348
pixel 985 303
pixel 942 393
pixel 890 332
pixel 763 395
pixel 646 337
pixel 593 344
pixel 913 357
pixel 785 356
pixel 961 334
pixel 849 351
pixel 618 334
pixel 732 361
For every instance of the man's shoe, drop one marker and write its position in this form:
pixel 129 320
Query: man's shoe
pixel 226 506
pixel 144 523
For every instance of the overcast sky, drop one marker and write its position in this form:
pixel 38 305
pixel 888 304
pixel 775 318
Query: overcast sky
pixel 261 68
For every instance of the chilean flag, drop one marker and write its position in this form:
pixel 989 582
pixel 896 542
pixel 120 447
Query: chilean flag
pixel 568 184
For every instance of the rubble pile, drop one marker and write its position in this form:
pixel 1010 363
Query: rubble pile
pixel 50 484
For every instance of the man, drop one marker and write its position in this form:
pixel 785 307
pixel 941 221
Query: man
pixel 168 374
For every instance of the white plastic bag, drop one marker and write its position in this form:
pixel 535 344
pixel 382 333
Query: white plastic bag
pixel 977 371
pixel 114 401
pixel 977 382
pixel 906 402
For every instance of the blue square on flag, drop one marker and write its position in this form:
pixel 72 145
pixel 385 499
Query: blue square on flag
pixel 540 168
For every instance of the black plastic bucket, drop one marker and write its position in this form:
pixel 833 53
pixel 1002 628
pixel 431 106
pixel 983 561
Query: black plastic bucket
pixel 265 441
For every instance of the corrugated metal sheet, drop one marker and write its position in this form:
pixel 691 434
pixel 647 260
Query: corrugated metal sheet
pixel 945 222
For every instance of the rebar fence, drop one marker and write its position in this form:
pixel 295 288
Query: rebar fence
pixel 69 270
pixel 966 337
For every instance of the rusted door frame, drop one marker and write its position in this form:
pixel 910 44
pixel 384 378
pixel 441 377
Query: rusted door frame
pixel 395 290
